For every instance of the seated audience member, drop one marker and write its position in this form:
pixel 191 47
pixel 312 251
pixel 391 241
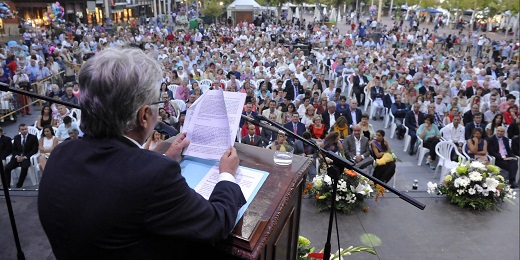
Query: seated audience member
pixel 436 118
pixel 477 123
pixel 267 135
pixel 515 145
pixel 341 127
pixel 383 171
pixel 366 128
pixel 332 143
pixel 152 142
pixel 514 129
pixel 25 145
pixel 295 126
pixel 511 115
pixel 281 143
pixel 497 121
pixel 468 116
pixel 510 101
pixel 252 138
pixel 399 110
pixel 357 149
pixel 272 110
pixel 331 115
pixel 308 118
pixel 63 128
pixel 180 125
pixel 431 136
pixel 46 144
pixel 6 146
pixel 245 129
pixel 45 118
pixel 61 114
pixel 308 151
pixel 414 119
pixel 498 147
pixel 454 132
pixel 73 134
pixel 317 129
pixel 476 146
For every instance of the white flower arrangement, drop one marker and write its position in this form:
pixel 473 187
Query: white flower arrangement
pixel 474 185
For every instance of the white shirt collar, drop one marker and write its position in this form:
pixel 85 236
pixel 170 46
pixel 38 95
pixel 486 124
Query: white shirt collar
pixel 134 141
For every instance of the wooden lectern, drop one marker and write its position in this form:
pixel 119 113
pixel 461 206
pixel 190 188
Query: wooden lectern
pixel 269 227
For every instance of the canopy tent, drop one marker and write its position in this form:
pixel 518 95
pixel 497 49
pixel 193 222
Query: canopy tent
pixel 333 14
pixel 431 10
pixel 243 10
pixel 297 13
pixel 317 14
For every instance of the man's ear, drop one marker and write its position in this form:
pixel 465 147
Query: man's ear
pixel 144 116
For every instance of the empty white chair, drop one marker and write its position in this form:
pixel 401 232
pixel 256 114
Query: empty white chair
pixel 34 131
pixel 173 88
pixel 75 113
pixel 204 87
pixel 407 137
pixel 368 100
pixel 443 150
pixel 393 125
pixel 205 82
pixel 422 151
pixel 181 105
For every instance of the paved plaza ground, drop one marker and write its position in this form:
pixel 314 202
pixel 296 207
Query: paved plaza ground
pixel 441 231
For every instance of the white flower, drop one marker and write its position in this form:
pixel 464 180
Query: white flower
pixel 362 189
pixel 461 182
pixel 485 193
pixel 454 170
pixel 327 180
pixel 475 176
pixel 432 187
pixel 471 191
pixel 460 191
pixel 491 184
pixel 478 188
pixel 478 165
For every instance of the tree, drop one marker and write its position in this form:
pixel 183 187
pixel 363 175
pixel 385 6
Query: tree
pixel 213 9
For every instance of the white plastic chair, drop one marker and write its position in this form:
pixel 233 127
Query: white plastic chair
pixel 173 88
pixel 386 120
pixel 368 100
pixel 179 103
pixel 443 150
pixel 204 87
pixel 393 125
pixel 75 114
pixel 205 82
pixel 422 151
pixel 407 137
pixel 34 131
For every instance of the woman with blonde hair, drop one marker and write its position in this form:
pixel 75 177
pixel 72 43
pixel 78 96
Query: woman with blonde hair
pixel 341 127
pixel 308 117
pixel 318 130
pixel 153 140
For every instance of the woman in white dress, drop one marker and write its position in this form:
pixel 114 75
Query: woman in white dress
pixel 47 143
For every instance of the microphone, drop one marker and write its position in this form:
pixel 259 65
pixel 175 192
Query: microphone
pixel 257 123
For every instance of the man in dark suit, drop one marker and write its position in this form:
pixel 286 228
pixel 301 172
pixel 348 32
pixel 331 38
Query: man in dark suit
pixel 468 116
pixel 251 138
pixel 353 114
pixel 267 135
pixel 356 148
pixel 321 82
pixel 399 111
pixel 295 126
pixel 389 98
pixel 248 112
pixel 502 91
pixel 358 85
pixel 25 145
pixel 104 197
pixel 293 89
pixel 6 145
pixel 498 147
pixel 493 71
pixel 477 122
pixel 329 117
pixel 413 120
pixel 472 90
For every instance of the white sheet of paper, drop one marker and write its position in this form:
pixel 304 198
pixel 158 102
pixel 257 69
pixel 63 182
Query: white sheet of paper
pixel 209 123
pixel 246 179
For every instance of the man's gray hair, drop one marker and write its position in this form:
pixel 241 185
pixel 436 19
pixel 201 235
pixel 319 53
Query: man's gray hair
pixel 331 104
pixel 114 84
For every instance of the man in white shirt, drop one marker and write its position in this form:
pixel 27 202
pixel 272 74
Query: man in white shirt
pixel 63 128
pixel 454 132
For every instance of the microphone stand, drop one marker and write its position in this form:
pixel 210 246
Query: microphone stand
pixel 5 87
pixel 333 172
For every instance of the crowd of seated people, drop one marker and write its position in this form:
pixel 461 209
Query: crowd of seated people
pixel 424 90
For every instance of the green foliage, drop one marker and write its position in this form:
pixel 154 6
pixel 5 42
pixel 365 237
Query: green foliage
pixel 213 9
